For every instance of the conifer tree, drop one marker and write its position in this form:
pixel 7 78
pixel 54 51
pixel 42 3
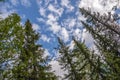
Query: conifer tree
pixel 81 63
pixel 21 57
pixel 106 32
pixel 11 38
pixel 67 62
pixel 32 65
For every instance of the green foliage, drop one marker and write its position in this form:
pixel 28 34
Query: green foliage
pixel 81 63
pixel 10 42
pixel 67 62
pixel 32 65
pixel 106 32
pixel 21 57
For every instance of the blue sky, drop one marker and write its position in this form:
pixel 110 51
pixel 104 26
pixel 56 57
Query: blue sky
pixel 56 18
pixel 51 18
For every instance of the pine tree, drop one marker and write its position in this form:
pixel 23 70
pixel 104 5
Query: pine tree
pixel 21 57
pixel 93 67
pixel 81 63
pixel 32 65
pixel 106 32
pixel 11 38
pixel 67 62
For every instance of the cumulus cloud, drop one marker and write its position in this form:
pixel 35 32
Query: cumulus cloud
pixel 69 23
pixel 52 21
pixel 54 26
pixel 77 34
pixel 46 53
pixel 71 45
pixel 64 34
pixel 42 11
pixel 35 26
pixel 54 11
pixel 66 3
pixel 5 10
pixel 52 17
pixel 45 38
pixel 102 6
pixel 87 37
pixel 57 68
pixel 58 11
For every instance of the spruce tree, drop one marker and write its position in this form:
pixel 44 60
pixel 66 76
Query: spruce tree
pixel 32 65
pixel 80 62
pixel 21 57
pixel 83 63
pixel 106 32
pixel 67 62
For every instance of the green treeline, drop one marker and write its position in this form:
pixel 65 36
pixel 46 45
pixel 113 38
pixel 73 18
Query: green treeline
pixel 22 59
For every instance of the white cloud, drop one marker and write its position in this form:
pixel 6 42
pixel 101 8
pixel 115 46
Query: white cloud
pixel 55 27
pixel 66 3
pixel 52 17
pixel 72 23
pixel 35 26
pixel 58 11
pixel 6 9
pixel 57 68
pixel 77 34
pixel 71 45
pixel 41 2
pixel 26 3
pixel 45 38
pixel 64 34
pixel 52 21
pixel 87 37
pixel 42 11
pixel 5 14
pixel 46 53
pixel 102 6
pixel 40 19
pixel 69 23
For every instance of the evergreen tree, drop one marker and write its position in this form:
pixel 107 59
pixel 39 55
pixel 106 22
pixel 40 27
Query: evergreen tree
pixel 32 65
pixel 68 62
pixel 106 32
pixel 81 63
pixel 21 57
pixel 11 38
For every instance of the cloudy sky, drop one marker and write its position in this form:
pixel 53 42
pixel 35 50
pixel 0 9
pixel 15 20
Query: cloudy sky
pixel 56 18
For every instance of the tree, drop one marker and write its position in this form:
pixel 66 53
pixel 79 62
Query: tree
pixel 81 62
pixel 11 38
pixel 67 62
pixel 32 65
pixel 21 57
pixel 106 32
